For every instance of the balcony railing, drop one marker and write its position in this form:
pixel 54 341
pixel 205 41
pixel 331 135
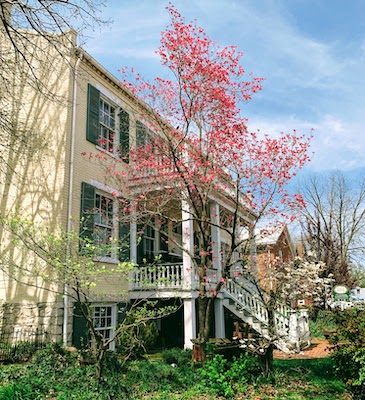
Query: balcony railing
pixel 162 277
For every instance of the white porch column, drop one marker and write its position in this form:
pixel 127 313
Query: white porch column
pixel 188 245
pixel 132 249
pixel 220 329
pixel 189 323
pixel 133 241
pixel 216 238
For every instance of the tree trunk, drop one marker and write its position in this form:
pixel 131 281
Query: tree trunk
pixel 205 318
pixel 269 356
pixel 268 360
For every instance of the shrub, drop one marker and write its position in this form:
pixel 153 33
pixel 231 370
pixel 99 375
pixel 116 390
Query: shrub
pixel 177 356
pixel 56 373
pixel 220 376
pixel 349 349
pixel 324 320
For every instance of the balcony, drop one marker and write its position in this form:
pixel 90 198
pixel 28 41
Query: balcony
pixel 169 278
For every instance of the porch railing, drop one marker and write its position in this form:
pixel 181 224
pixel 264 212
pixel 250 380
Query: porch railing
pixel 162 276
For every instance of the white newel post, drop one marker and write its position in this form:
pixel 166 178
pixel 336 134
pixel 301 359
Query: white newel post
pixel 217 266
pixel 293 328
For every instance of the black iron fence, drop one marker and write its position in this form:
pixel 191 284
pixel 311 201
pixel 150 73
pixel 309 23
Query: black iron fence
pixel 21 344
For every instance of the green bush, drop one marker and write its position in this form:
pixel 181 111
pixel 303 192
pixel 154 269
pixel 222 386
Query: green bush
pixel 220 376
pixel 324 320
pixel 177 356
pixel 56 373
pixel 349 349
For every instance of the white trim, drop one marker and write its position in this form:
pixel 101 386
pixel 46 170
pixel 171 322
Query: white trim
pixel 70 194
pixel 105 188
pixel 109 95
pixel 113 322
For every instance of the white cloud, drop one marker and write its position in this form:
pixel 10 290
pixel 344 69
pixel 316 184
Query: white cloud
pixel 337 144
pixel 313 81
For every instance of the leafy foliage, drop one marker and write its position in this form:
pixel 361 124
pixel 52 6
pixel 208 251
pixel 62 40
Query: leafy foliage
pixel 56 374
pixel 135 341
pixel 323 320
pixel 177 356
pixel 220 376
pixel 349 349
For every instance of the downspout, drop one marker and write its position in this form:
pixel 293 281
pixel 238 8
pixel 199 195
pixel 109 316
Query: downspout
pixel 70 193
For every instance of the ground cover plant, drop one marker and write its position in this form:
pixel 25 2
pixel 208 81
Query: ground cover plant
pixel 54 373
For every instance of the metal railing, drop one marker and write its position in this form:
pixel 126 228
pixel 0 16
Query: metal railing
pixel 21 344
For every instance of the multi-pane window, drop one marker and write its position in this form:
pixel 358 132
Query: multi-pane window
pixel 104 318
pixel 149 243
pixel 107 126
pixel 100 225
pixel 104 225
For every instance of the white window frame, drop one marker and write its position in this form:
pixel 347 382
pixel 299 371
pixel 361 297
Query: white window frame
pixel 105 126
pixel 112 257
pixel 152 240
pixel 106 327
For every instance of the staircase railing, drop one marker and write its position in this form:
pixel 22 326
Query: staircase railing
pixel 254 305
pixel 291 326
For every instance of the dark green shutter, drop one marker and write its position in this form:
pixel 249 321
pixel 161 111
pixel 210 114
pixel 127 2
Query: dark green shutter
pixel 163 239
pixel 124 134
pixel 140 247
pixel 124 241
pixel 122 310
pixel 87 212
pixel 93 105
pixel 141 134
pixel 80 331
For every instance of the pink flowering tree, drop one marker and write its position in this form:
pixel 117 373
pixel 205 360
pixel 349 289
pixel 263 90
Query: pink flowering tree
pixel 194 149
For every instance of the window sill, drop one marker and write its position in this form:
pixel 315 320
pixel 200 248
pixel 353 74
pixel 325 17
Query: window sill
pixel 113 155
pixel 107 260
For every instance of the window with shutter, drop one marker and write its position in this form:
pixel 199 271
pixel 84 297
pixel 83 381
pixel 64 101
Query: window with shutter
pixel 107 125
pixel 100 226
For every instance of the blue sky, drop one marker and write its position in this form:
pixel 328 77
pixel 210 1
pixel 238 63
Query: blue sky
pixel 311 52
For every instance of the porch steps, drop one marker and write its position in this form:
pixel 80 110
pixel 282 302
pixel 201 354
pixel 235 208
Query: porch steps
pixel 291 326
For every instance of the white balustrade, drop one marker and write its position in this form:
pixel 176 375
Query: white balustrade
pixel 253 304
pixel 159 276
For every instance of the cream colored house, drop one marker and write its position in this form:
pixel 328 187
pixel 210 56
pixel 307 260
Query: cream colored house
pixel 50 175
